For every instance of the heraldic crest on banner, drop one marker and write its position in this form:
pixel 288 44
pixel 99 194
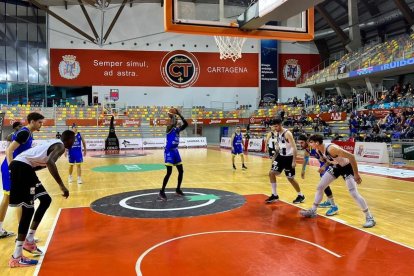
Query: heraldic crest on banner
pixel 69 68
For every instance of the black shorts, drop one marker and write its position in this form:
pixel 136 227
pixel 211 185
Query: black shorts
pixel 284 163
pixel 25 186
pixel 337 171
pixel 271 152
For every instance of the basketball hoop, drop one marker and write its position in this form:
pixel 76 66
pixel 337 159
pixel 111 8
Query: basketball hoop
pixel 230 47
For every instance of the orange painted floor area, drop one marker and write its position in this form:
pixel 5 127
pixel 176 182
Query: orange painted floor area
pixel 256 239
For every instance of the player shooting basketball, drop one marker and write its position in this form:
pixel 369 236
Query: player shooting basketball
pixel 171 154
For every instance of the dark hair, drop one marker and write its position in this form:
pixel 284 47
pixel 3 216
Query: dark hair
pixel 34 116
pixel 303 137
pixel 67 134
pixel 316 138
pixel 16 124
pixel 276 121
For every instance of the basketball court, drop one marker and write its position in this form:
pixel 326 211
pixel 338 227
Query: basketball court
pixel 222 226
pixel 114 223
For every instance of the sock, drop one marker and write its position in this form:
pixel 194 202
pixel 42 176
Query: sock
pixel 274 192
pixel 314 207
pixel 367 213
pixel 300 193
pixel 18 250
pixel 30 235
pixel 332 201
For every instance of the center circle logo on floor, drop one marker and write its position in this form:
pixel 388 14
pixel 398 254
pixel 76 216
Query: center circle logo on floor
pixel 147 204
pixel 180 69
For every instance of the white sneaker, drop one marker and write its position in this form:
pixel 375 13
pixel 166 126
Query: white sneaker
pixel 369 223
pixel 70 180
pixel 79 180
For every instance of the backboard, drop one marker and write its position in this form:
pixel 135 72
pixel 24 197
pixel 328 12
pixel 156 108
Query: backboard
pixel 219 17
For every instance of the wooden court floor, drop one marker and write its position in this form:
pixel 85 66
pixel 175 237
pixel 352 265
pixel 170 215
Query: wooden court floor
pixel 390 199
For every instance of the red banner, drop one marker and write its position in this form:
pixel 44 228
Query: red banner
pixel 46 122
pixel 346 145
pixel 227 121
pixel 77 67
pixel 103 122
pixel 293 66
pixel 327 117
pixel 380 113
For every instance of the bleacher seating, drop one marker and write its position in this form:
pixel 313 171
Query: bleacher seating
pixel 398 48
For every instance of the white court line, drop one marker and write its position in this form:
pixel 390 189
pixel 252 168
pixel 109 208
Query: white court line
pixel 360 229
pixel 139 261
pixel 52 230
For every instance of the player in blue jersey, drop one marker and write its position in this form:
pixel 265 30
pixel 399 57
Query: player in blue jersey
pixel 309 151
pixel 171 154
pixel 20 141
pixel 75 155
pixel 237 147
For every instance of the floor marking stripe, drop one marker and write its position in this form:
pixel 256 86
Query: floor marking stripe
pixel 139 261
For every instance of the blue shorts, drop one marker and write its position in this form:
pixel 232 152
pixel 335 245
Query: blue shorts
pixel 238 149
pixel 172 157
pixel 5 175
pixel 75 158
pixel 320 166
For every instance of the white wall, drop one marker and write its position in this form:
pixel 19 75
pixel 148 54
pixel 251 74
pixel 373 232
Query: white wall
pixel 290 92
pixel 141 24
pixel 297 48
pixel 137 26
pixel 208 97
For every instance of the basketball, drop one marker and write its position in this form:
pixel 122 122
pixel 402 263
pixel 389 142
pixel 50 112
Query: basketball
pixel 172 111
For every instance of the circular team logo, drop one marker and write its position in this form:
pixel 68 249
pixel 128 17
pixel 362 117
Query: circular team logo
pixel 180 69
pixel 292 70
pixel 69 68
pixel 146 204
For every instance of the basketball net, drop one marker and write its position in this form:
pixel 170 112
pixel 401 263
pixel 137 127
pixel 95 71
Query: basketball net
pixel 230 47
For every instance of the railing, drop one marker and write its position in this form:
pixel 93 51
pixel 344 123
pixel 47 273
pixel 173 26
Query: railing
pixel 365 57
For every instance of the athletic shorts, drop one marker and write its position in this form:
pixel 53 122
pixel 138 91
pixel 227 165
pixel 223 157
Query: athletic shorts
pixel 284 163
pixel 271 152
pixel 172 157
pixel 320 166
pixel 237 149
pixel 75 158
pixel 345 171
pixel 25 186
pixel 5 175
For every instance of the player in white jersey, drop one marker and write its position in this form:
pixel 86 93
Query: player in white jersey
pixel 342 163
pixel 271 141
pixel 26 187
pixel 284 160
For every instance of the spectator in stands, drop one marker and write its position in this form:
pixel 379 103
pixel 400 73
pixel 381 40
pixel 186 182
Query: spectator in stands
pixel 296 131
pixel 327 131
pixel 337 137
pixel 353 125
pixel 16 127
pixel 397 132
pixel 58 135
pixel 282 114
